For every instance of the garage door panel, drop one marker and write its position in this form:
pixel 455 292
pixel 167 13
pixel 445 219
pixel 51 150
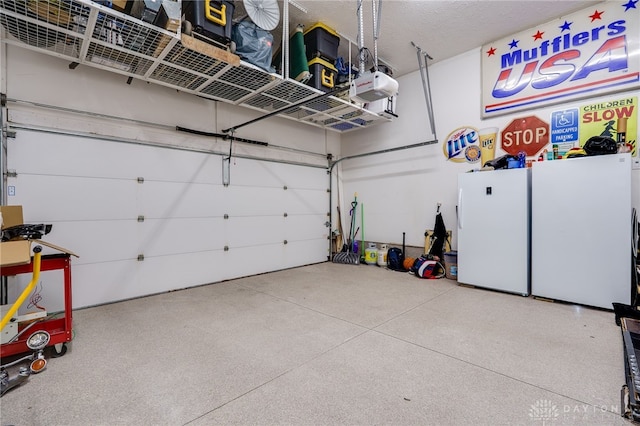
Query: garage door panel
pixel 245 172
pixel 31 152
pixel 306 201
pixel 248 172
pixel 306 252
pixel 181 199
pixel 252 260
pixel 300 177
pixel 171 165
pixel 255 231
pixel 258 260
pixel 255 201
pixel 166 273
pixel 60 198
pixel 164 237
pixel 96 241
pixel 106 282
pixel 307 227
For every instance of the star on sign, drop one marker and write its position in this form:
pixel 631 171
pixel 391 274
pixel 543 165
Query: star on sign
pixel 596 15
pixel 491 51
pixel 538 35
pixel 567 25
pixel 514 43
pixel 631 4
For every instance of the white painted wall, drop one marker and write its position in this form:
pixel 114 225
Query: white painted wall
pixel 400 190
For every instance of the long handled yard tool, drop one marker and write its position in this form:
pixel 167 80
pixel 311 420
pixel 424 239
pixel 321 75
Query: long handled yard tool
pixel 347 255
pixel 340 236
pixel 362 237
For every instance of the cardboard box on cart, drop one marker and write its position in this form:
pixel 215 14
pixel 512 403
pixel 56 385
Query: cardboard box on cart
pixel 18 252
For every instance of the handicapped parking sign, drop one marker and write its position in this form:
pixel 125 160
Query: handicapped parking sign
pixel 564 126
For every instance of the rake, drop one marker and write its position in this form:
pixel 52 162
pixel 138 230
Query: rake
pixel 347 256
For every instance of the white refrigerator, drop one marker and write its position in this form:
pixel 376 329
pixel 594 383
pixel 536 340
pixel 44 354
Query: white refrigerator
pixel 494 229
pixel 581 230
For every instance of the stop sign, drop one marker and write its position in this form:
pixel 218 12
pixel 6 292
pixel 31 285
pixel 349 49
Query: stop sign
pixel 528 134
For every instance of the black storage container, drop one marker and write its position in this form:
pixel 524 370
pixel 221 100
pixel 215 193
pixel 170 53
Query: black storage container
pixel 321 41
pixel 211 19
pixel 145 10
pixel 323 74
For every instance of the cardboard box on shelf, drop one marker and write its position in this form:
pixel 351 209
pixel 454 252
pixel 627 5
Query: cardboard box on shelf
pixel 18 252
pixel 122 5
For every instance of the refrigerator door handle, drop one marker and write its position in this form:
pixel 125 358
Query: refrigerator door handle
pixel 460 209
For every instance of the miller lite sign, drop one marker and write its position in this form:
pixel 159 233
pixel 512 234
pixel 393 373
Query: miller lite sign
pixel 588 53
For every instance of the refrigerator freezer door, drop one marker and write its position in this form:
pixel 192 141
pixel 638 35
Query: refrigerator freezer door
pixel 581 230
pixel 493 230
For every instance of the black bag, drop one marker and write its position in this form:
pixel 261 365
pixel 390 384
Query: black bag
pixel 439 237
pixel 600 145
pixel 395 259
pixel 500 162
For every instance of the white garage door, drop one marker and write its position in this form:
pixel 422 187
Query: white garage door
pixel 149 219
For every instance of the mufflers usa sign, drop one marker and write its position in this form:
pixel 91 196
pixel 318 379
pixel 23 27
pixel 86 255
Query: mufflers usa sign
pixel 588 53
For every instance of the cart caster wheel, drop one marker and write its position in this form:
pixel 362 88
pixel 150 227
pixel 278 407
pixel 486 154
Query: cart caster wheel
pixel 59 349
pixel 232 46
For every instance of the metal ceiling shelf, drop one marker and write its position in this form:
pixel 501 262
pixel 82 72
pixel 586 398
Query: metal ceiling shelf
pixel 84 32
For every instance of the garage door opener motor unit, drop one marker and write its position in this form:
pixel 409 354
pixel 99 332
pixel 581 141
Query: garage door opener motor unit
pixel 376 85
pixel 372 87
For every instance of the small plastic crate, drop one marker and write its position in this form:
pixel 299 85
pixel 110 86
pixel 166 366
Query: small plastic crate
pixel 323 74
pixel 321 41
pixel 211 19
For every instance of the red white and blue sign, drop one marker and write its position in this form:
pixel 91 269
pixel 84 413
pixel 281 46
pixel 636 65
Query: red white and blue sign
pixel 591 52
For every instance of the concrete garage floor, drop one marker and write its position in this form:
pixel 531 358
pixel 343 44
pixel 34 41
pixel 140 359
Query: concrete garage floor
pixel 330 344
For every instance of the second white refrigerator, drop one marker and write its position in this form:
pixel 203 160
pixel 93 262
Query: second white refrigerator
pixel 582 230
pixel 494 230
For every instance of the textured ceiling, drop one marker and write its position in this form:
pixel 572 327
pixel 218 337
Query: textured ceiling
pixel 443 29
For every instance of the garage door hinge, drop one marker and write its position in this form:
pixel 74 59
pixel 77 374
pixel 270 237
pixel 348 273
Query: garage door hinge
pixel 12 174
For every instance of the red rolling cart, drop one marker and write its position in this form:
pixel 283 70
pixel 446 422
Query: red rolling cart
pixel 59 329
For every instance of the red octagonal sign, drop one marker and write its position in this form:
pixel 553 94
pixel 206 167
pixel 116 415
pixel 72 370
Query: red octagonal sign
pixel 528 134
